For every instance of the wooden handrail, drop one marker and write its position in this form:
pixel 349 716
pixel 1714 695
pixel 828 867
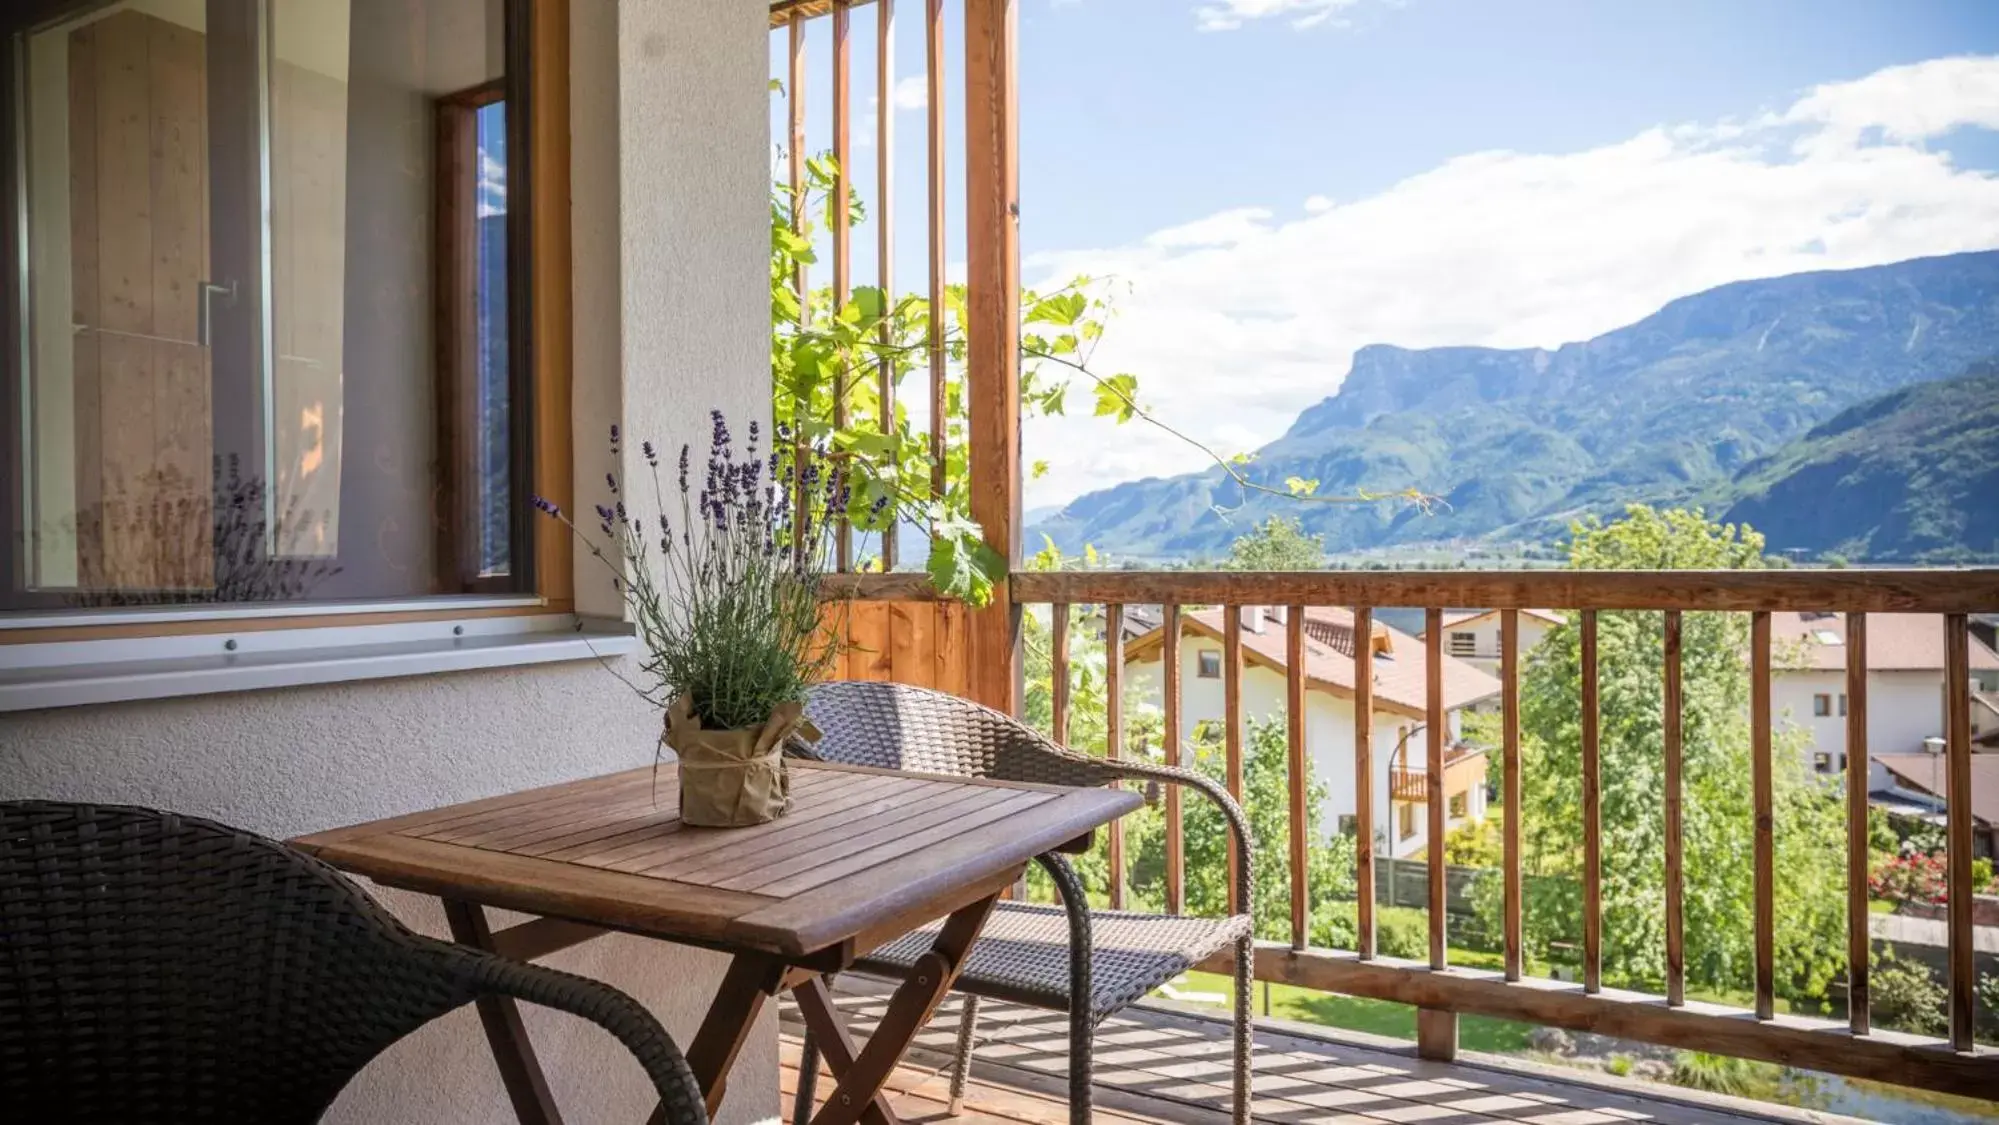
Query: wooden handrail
pixel 1970 590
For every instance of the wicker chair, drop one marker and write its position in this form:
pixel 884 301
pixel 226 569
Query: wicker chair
pixel 160 968
pixel 1070 958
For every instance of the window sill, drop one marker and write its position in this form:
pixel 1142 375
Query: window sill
pixel 81 673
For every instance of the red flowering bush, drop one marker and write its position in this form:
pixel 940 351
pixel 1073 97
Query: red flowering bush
pixel 1909 878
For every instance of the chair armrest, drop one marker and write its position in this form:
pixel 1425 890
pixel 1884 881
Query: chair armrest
pixel 1238 821
pixel 625 1018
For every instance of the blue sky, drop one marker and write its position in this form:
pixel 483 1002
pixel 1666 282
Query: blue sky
pixel 1134 119
pixel 1273 183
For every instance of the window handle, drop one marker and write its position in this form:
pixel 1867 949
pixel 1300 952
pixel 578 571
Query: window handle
pixel 209 290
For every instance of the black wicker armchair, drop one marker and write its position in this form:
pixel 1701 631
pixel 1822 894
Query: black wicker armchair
pixel 1071 959
pixel 160 968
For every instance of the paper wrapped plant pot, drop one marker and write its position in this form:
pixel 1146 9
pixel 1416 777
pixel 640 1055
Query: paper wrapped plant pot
pixel 733 778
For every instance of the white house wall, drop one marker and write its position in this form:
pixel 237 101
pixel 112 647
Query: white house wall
pixel 684 84
pixel 1903 709
pixel 1329 730
pixel 1485 642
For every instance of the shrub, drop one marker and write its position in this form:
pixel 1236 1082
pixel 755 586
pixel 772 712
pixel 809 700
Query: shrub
pixel 1909 878
pixel 1906 995
pixel 1401 932
pixel 1720 1074
pixel 1474 844
pixel 1981 875
pixel 1619 1065
pixel 1335 925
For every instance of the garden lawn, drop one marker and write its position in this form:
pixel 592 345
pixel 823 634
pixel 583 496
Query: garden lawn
pixel 1353 1013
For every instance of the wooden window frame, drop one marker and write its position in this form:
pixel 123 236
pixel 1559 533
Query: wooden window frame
pixel 539 313
pixel 1207 659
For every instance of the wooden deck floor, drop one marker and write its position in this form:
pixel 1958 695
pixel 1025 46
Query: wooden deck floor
pixel 1161 1068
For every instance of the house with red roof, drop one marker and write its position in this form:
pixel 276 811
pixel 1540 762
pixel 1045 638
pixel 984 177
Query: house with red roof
pixel 1905 686
pixel 1399 779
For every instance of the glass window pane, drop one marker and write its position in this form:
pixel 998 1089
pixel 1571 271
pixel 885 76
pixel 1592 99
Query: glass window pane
pixel 250 369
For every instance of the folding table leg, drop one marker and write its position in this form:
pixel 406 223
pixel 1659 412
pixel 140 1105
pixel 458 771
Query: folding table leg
pixel 520 1071
pixel 908 1010
pixel 751 978
pixel 829 1032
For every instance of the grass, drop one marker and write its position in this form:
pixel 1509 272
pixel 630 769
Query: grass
pixel 1376 1017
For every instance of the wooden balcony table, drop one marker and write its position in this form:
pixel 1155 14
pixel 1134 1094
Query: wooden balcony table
pixel 863 857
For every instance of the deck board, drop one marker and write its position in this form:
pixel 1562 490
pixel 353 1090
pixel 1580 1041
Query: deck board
pixel 1155 1066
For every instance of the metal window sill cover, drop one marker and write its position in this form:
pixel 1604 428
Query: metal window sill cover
pixel 113 671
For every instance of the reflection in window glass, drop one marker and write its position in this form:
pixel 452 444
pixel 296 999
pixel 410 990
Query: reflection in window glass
pixel 495 500
pixel 230 310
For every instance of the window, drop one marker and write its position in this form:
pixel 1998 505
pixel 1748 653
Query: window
pixel 271 311
pixel 1822 761
pixel 1349 824
pixel 1460 806
pixel 1821 705
pixel 1405 820
pixel 1209 664
pixel 1842 705
pixel 1464 644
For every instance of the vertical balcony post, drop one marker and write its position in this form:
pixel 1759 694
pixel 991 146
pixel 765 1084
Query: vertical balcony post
pixel 1232 733
pixel 992 329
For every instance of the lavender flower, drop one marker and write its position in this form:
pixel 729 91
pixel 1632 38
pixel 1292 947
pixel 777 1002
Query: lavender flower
pixel 652 455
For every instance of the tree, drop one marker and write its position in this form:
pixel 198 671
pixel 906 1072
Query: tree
pixel 1277 544
pixel 1267 803
pixel 1809 821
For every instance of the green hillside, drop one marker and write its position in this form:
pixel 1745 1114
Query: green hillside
pixel 1910 476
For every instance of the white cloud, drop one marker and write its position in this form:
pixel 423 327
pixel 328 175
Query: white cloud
pixel 492 185
pixel 1236 321
pixel 1318 204
pixel 1227 15
pixel 912 92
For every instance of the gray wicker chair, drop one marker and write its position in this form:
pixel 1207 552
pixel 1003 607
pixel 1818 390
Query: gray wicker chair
pixel 160 968
pixel 1071 959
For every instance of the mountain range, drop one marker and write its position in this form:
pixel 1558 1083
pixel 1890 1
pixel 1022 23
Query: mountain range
pixel 1796 403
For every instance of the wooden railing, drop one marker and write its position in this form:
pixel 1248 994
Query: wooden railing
pixel 1442 991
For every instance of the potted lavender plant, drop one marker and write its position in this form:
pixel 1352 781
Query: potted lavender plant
pixel 726 601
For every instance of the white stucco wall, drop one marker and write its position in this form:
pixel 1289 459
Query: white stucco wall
pixel 670 247
pixel 1485 640
pixel 1329 731
pixel 1903 708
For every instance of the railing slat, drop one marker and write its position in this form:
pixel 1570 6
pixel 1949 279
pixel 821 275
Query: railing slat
pixel 1858 928
pixel 1676 955
pixel 1760 784
pixel 1363 775
pixel 1232 734
pixel 1058 687
pixel 1509 701
pixel 843 114
pixel 934 114
pixel 1592 812
pixel 1957 828
pixel 795 97
pixel 1433 669
pixel 1294 714
pixel 885 230
pixel 1114 739
pixel 1176 859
